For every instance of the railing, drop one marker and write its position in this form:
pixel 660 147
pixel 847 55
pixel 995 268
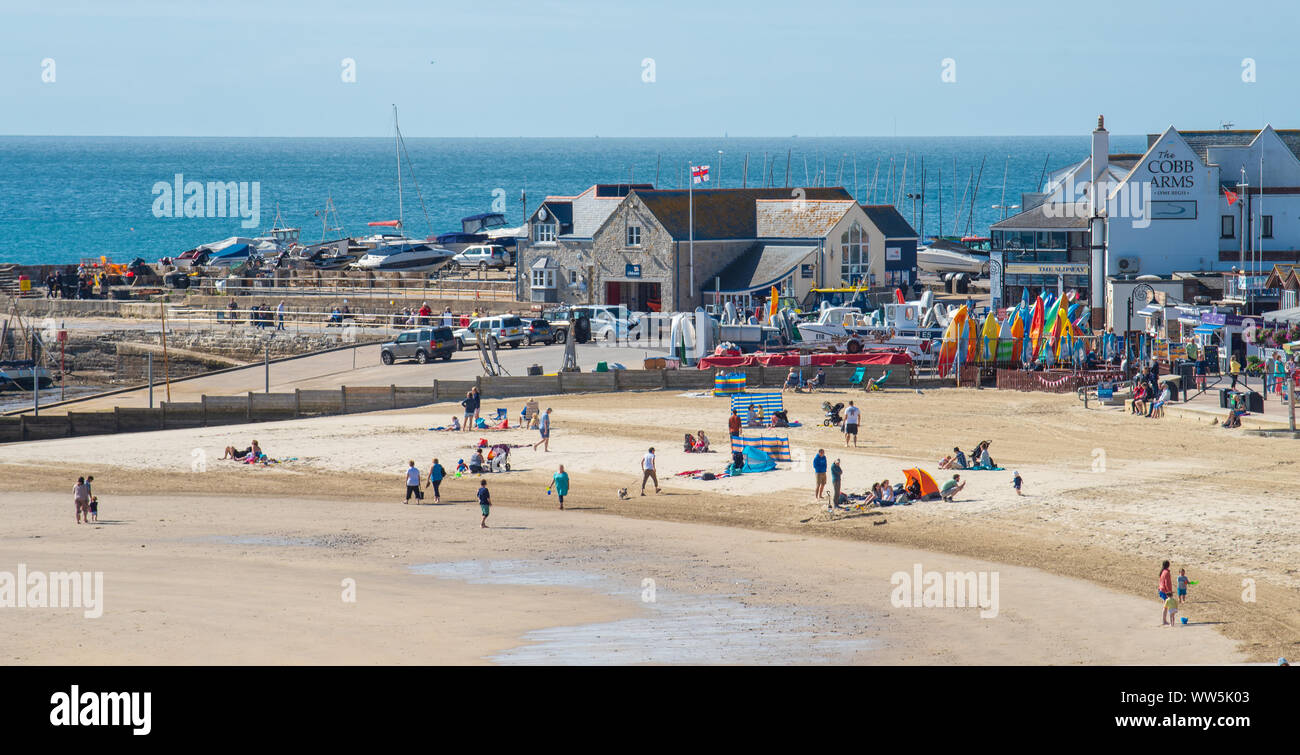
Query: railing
pixel 301 319
pixel 458 290
pixel 1244 286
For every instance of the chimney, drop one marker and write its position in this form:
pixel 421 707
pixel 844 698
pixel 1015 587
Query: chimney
pixel 1100 161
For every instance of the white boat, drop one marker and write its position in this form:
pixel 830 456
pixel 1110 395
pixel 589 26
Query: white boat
pixel 893 326
pixel 411 258
pixel 945 258
pixel 18 375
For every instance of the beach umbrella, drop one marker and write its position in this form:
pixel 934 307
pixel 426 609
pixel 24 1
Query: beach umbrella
pixel 928 485
pixel 773 302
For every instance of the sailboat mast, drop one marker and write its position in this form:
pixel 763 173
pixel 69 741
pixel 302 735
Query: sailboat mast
pixel 397 149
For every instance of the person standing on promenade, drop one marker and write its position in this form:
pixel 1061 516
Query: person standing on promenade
pixel 279 315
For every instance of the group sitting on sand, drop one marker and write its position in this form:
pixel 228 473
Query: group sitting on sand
pixel 252 453
pixel 696 444
pixel 979 458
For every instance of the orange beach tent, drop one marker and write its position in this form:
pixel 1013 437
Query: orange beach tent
pixel 928 485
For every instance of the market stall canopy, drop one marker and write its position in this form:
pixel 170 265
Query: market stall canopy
pixel 1290 315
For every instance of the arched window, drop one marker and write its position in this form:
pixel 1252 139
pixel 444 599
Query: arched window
pixel 853 256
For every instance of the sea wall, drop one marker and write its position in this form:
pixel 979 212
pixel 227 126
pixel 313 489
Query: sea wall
pixel 266 407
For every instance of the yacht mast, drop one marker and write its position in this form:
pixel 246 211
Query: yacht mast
pixel 397 149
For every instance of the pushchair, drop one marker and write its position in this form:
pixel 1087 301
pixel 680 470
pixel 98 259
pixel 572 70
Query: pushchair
pixel 498 458
pixel 833 417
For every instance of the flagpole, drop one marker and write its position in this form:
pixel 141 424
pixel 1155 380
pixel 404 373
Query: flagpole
pixel 690 193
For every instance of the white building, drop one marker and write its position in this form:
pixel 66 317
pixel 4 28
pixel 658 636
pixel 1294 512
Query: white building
pixel 1195 201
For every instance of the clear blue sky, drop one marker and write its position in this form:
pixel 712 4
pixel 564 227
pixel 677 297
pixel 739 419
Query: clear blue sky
pixel 574 68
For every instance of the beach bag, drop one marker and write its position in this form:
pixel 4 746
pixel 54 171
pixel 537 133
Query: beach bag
pixel 708 476
pixel 419 495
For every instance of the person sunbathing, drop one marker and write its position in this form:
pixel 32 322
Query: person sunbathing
pixel 234 453
pixel 455 423
pixel 780 419
pixel 701 443
pixel 688 443
pixel 791 381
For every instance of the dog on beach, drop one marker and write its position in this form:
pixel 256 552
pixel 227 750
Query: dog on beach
pixel 622 494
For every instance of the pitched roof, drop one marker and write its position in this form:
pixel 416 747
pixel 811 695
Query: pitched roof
pixel 1201 141
pixel 890 221
pixel 720 214
pixel 798 219
pixel 762 266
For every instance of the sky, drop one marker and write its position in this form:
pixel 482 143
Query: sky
pixel 644 68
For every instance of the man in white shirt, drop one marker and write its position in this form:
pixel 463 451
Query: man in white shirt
pixel 447 317
pixel 412 483
pixel 648 470
pixel 852 416
pixel 279 316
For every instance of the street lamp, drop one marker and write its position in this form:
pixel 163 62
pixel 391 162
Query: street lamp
pixel 1148 293
pixel 913 196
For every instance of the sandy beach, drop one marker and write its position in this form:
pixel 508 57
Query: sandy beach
pixel 207 561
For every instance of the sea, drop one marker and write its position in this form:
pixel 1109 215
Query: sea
pixel 64 199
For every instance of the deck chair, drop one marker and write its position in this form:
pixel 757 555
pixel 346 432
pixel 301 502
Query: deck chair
pixel 858 375
pixel 879 383
pixel 501 414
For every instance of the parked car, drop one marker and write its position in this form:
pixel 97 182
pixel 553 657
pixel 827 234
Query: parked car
pixel 505 330
pixel 421 344
pixel 540 331
pixel 482 257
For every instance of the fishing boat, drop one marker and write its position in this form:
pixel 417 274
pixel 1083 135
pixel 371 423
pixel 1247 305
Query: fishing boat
pixel 911 326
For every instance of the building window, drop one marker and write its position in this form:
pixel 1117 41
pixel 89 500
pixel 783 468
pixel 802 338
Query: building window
pixel 544 278
pixel 853 256
pixel 544 233
pixel 1227 227
pixel 573 277
pixel 1267 227
pixel 634 235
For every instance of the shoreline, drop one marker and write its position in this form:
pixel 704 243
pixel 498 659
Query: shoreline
pixel 1100 527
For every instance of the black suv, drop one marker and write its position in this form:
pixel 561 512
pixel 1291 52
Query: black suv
pixel 540 331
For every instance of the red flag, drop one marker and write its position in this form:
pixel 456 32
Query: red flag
pixel 1231 195
pixel 898 295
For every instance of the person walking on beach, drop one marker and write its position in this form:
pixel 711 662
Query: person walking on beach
pixel 560 482
pixel 81 499
pixel 436 476
pixel 544 427
pixel 1165 589
pixel 484 502
pixel 852 416
pixel 412 482
pixel 733 424
pixel 648 470
pixel 1016 482
pixel 819 472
